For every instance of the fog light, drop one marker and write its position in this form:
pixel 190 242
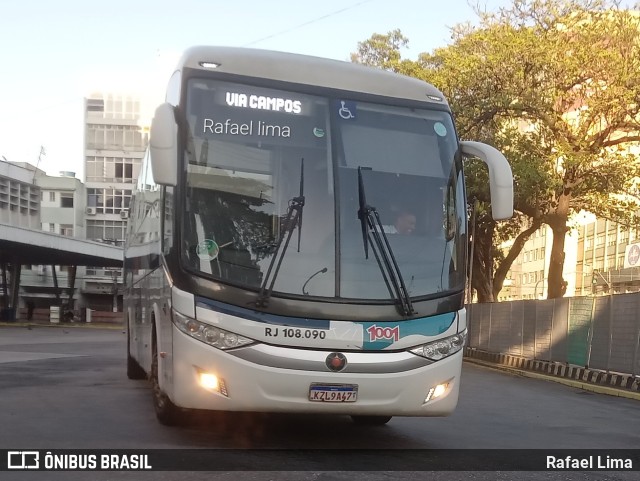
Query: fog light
pixel 439 390
pixel 436 391
pixel 209 381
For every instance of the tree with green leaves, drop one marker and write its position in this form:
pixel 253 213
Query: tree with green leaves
pixel 555 85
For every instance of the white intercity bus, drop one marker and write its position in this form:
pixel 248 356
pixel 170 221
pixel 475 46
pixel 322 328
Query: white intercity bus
pixel 297 241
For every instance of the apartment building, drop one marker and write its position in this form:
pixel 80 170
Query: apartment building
pixel 62 211
pixel 115 142
pixel 606 259
pixel 601 257
pixel 19 195
pixel 528 276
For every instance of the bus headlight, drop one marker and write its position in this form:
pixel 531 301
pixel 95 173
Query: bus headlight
pixel 441 348
pixel 212 335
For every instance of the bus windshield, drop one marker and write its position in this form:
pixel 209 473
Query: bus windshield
pixel 255 153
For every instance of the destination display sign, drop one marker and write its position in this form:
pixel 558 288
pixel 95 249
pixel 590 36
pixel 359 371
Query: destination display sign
pixel 249 114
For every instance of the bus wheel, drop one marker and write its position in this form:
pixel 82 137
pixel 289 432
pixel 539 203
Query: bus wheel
pixel 370 420
pixel 134 371
pixel 166 412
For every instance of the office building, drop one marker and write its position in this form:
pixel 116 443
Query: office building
pixel 115 142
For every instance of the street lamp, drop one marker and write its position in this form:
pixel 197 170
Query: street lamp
pixel 535 289
pixel 594 281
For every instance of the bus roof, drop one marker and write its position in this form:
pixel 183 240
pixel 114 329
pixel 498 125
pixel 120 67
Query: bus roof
pixel 309 70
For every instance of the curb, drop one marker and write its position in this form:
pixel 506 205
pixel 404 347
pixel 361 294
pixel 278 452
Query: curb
pixel 621 385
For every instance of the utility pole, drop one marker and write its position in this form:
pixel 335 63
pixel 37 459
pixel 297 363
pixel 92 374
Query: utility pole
pixel 42 153
pixel 114 276
pixel 535 290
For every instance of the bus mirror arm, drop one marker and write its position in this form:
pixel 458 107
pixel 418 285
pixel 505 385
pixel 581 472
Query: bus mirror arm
pixel 163 146
pixel 500 177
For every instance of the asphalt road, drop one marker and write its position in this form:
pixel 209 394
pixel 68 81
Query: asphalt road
pixel 66 388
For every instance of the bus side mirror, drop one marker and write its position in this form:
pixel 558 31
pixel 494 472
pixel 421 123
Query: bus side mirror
pixel 500 177
pixel 163 146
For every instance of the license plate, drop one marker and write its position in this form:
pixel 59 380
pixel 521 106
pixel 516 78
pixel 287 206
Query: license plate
pixel 333 393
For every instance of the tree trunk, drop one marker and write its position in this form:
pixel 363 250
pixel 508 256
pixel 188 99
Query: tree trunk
pixel 557 286
pixel 556 283
pixel 481 283
pixel 482 280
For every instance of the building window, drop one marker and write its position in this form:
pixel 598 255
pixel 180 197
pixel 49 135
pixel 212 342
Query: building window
pixel 52 196
pixel 112 169
pixel 108 201
pixel 95 105
pixel 124 172
pixel 112 232
pixel 52 227
pixel 66 200
pixel 588 243
pixel 66 230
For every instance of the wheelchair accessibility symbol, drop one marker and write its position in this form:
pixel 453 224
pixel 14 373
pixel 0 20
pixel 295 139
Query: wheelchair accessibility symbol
pixel 347 110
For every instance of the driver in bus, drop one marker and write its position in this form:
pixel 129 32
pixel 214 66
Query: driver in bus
pixel 404 224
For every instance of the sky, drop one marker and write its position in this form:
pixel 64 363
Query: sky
pixel 55 53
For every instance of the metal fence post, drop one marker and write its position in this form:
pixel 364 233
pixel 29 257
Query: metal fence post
pixel 522 329
pixel 610 333
pixel 634 369
pixel 490 329
pixel 553 317
pixel 535 331
pixel 591 328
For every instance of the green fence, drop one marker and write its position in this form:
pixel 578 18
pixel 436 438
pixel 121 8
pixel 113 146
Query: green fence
pixel 595 332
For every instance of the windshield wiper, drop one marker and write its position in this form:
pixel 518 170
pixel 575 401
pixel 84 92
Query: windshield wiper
pixel 293 220
pixel 373 232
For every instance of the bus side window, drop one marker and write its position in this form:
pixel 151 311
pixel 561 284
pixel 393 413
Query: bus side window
pixel 167 219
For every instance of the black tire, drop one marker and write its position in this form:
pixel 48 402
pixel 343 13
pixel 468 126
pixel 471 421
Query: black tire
pixel 167 413
pixel 134 371
pixel 370 420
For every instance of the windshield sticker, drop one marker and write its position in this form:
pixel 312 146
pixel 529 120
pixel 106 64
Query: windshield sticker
pixel 347 110
pixel 318 132
pixel 440 129
pixel 261 102
pixel 207 250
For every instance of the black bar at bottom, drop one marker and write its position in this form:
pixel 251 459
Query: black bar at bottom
pixel 321 460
